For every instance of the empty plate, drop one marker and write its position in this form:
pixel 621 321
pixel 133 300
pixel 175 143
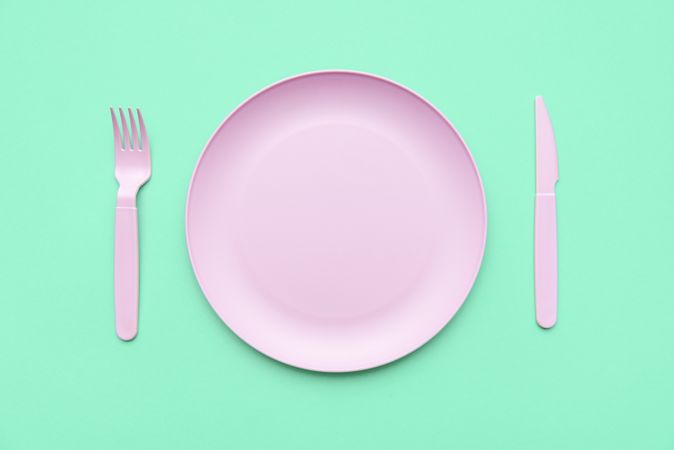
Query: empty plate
pixel 336 221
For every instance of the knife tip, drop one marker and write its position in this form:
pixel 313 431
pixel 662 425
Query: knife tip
pixel 540 105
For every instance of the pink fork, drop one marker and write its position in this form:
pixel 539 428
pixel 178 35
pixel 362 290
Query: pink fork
pixel 132 170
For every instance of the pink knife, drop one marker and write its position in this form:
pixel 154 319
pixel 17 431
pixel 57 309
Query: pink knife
pixel 545 222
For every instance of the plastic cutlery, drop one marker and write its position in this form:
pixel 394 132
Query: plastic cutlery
pixel 132 170
pixel 545 240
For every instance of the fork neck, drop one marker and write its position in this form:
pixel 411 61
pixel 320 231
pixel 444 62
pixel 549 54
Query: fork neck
pixel 126 197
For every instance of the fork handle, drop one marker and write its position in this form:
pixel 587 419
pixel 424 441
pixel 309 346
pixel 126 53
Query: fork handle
pixel 126 272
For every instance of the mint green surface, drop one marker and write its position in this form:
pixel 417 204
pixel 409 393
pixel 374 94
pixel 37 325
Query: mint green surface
pixel 602 379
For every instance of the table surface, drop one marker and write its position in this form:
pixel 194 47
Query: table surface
pixel 603 378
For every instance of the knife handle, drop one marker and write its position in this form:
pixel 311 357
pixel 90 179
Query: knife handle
pixel 126 272
pixel 545 259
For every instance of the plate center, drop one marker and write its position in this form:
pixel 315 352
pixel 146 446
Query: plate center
pixel 335 222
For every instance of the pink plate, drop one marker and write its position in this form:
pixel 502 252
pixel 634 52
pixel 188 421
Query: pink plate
pixel 336 221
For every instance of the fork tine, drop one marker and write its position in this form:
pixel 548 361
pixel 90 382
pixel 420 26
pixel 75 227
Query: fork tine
pixel 143 133
pixel 115 130
pixel 125 128
pixel 134 132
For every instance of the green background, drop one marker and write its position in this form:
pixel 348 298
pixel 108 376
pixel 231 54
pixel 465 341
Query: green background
pixel 602 379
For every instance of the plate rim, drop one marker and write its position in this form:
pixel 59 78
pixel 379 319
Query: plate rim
pixel 483 240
